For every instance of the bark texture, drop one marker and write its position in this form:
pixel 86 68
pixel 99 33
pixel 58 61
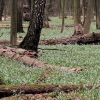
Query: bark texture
pixel 31 40
pixel 13 35
pixel 27 57
pixel 92 38
pixel 19 17
pixel 89 15
pixel 97 8
pixel 77 13
pixel 38 88
pixel 1 8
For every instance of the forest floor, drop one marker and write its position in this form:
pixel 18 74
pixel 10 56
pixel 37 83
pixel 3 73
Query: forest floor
pixel 72 57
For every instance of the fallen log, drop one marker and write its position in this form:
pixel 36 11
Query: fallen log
pixel 26 56
pixel 6 91
pixel 77 39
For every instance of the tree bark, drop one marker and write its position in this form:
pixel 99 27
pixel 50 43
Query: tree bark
pixel 84 39
pixel 26 56
pixel 29 3
pixel 77 15
pixel 31 40
pixel 6 91
pixel 19 17
pixel 63 15
pixel 13 35
pixel 5 11
pixel 97 8
pixel 1 8
pixel 88 18
pixel 45 20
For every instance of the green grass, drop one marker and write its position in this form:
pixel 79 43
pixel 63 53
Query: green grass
pixel 14 72
pixel 85 56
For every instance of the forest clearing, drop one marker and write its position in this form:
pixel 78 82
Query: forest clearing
pixel 61 65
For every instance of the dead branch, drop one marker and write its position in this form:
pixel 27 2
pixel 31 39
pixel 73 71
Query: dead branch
pixel 51 49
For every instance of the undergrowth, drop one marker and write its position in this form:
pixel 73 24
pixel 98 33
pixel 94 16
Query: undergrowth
pixel 71 56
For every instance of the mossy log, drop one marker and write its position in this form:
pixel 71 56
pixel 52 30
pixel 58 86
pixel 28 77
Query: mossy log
pixel 38 88
pixel 92 38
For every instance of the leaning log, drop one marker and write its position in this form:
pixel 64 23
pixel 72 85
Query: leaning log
pixel 78 39
pixel 38 88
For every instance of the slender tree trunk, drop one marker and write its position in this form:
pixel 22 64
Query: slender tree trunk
pixel 69 7
pixel 45 20
pixel 63 15
pixel 32 4
pixel 31 40
pixel 5 11
pixel 59 7
pixel 13 36
pixel 83 11
pixel 77 15
pixel 1 8
pixel 29 3
pixel 89 14
pixel 77 18
pixel 97 8
pixel 19 17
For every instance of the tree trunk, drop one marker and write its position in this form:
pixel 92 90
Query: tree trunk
pixel 13 35
pixel 59 7
pixel 63 15
pixel 97 8
pixel 83 11
pixel 88 18
pixel 5 11
pixel 19 17
pixel 1 8
pixel 77 15
pixel 29 3
pixel 32 5
pixel 31 40
pixel 45 20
